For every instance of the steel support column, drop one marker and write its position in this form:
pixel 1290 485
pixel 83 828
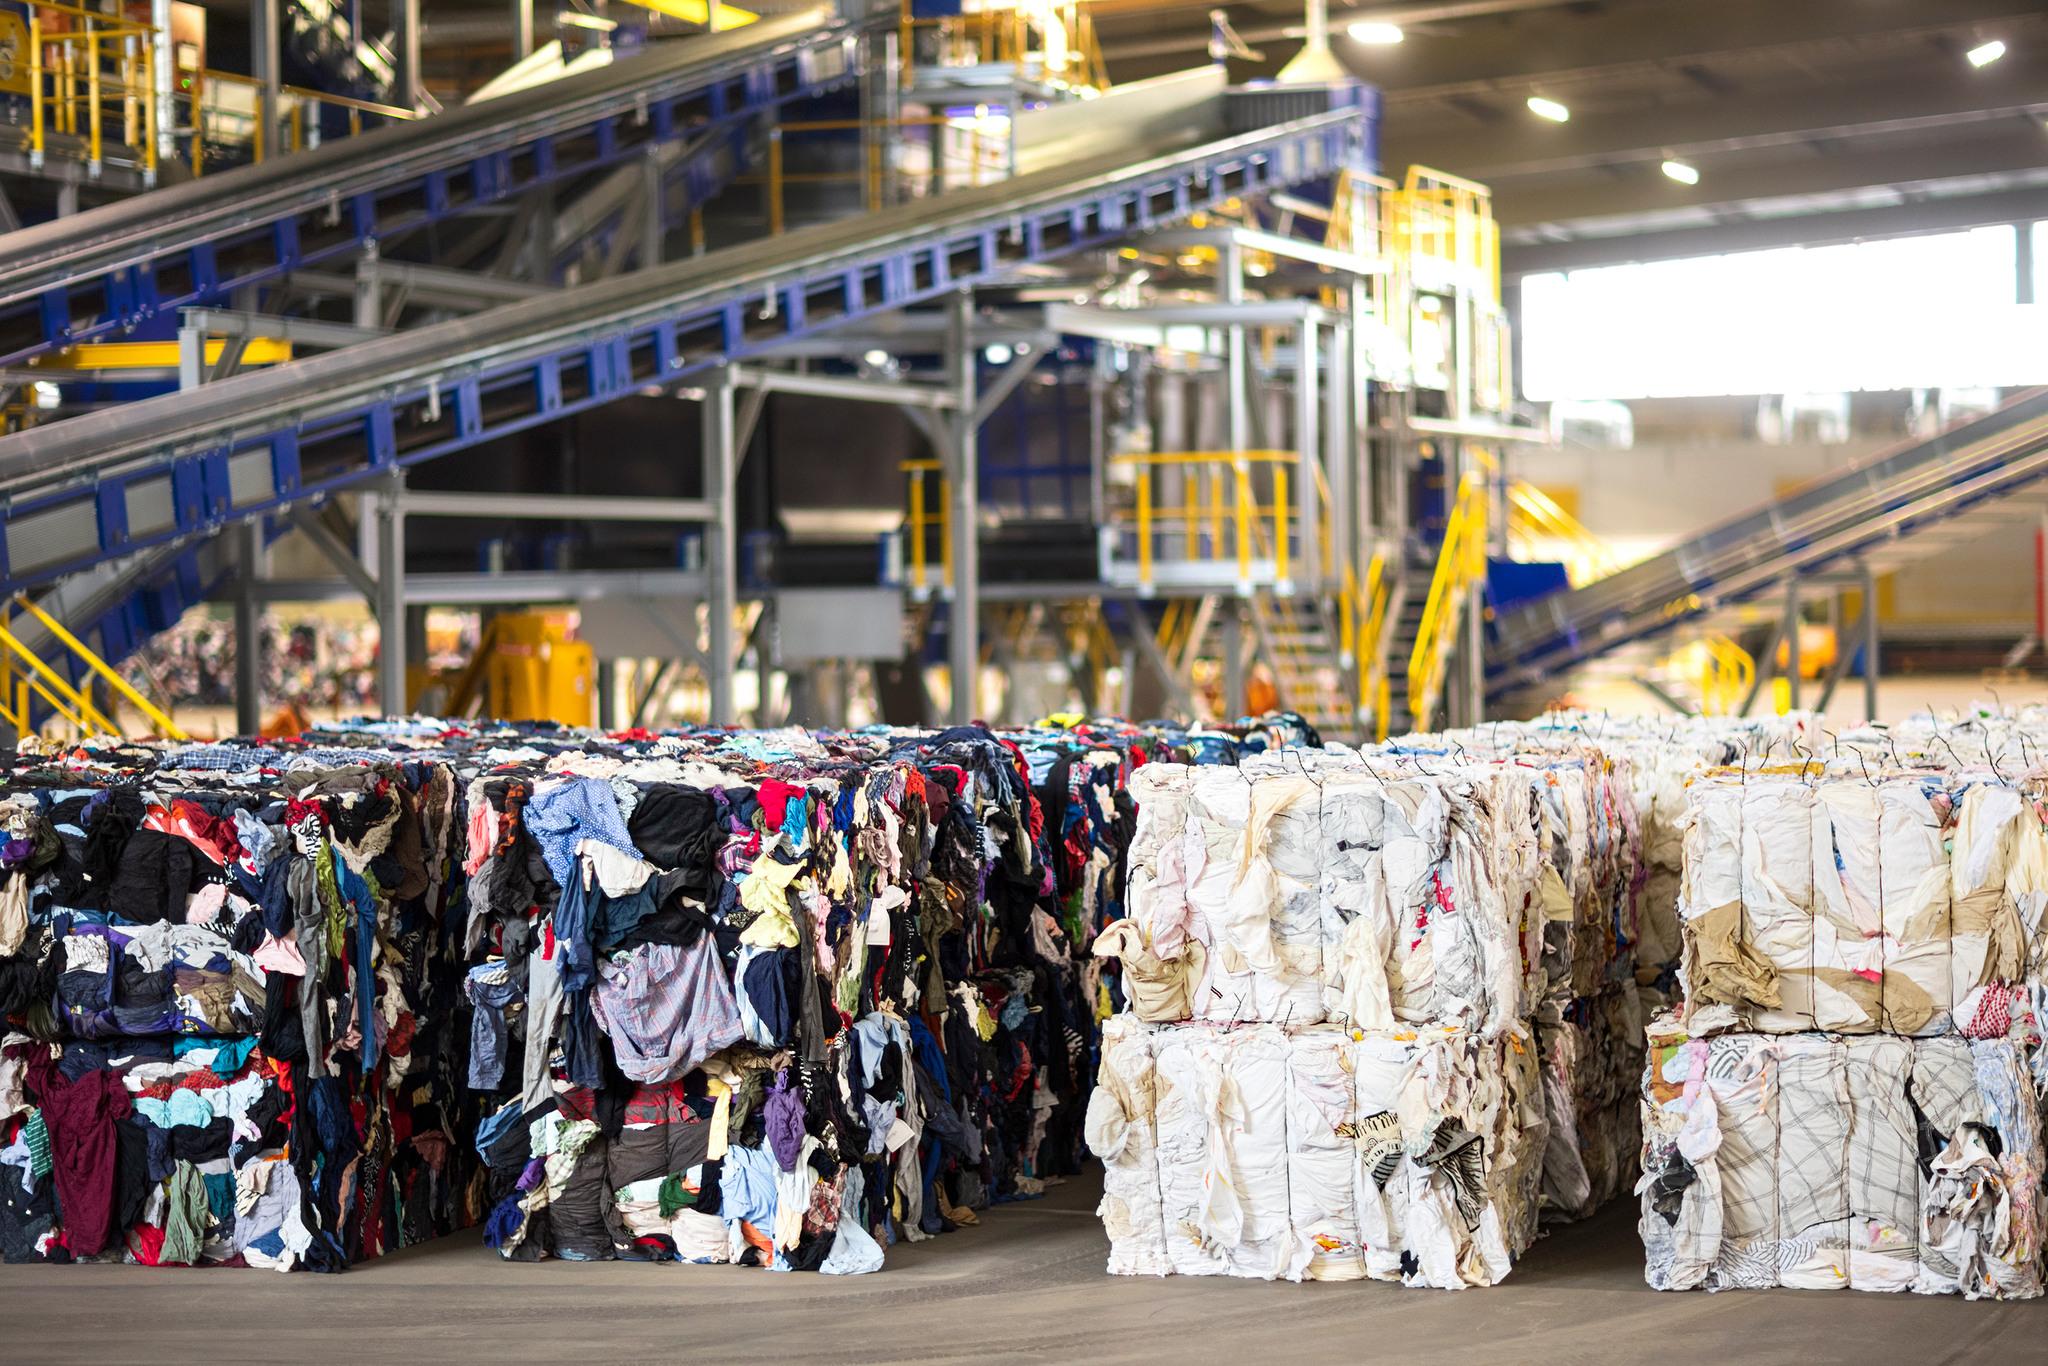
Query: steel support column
pixel 721 578
pixel 963 467
pixel 1233 660
pixel 1870 666
pixel 162 64
pixel 522 30
pixel 249 640
pixel 391 596
pixel 411 84
pixel 266 59
pixel 1308 415
pixel 1791 634
pixel 653 211
pixel 1237 352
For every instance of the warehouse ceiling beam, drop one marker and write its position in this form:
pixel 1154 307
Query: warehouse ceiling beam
pixel 1837 110
pixel 1656 240
pixel 1649 40
pixel 1570 204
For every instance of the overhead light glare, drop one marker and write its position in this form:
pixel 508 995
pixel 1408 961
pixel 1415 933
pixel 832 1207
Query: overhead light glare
pixel 1984 54
pixel 997 354
pixel 1682 172
pixel 878 358
pixel 1375 33
pixel 1548 109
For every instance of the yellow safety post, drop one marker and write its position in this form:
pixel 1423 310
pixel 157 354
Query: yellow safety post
pixel 198 122
pixel 35 84
pixel 1144 492
pixel 92 89
pixel 1216 512
pixel 298 120
pixel 1347 628
pixel 129 121
pixel 145 81
pixel 775 182
pixel 1280 522
pixel 1242 520
pixel 157 717
pixel 917 532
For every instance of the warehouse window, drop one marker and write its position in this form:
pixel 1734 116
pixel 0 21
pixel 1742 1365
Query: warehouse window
pixel 1934 311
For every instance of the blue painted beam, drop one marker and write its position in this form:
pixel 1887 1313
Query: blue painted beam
pixel 99 273
pixel 260 440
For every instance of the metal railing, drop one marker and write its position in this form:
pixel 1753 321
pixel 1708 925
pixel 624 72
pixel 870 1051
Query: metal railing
pixel 95 92
pixel 1446 221
pixel 1727 672
pixel 1232 512
pixel 1460 566
pixel 1045 40
pixel 224 108
pixel 25 675
pixel 91 84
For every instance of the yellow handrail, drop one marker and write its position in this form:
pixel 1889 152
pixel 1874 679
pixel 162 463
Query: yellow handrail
pixel 922 520
pixel 157 717
pixel 1249 515
pixel 1460 564
pixel 1534 513
pixel 1726 672
pixel 73 705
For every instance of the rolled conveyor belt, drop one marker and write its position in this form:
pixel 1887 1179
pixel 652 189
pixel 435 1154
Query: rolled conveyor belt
pixel 108 482
pixel 96 272
pixel 1918 484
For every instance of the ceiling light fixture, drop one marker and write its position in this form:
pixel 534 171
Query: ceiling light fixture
pixel 1984 54
pixel 1548 109
pixel 1682 172
pixel 1375 33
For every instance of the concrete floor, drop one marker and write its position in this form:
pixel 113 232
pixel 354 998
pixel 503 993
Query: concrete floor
pixel 1026 1285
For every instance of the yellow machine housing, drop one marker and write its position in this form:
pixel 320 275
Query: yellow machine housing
pixel 529 667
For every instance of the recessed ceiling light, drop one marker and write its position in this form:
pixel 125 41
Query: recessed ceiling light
pixel 1375 33
pixel 1548 109
pixel 1984 54
pixel 1682 172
